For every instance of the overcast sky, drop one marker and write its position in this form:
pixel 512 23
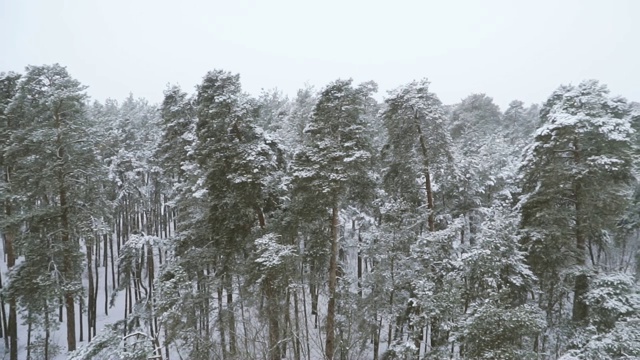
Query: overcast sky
pixel 511 49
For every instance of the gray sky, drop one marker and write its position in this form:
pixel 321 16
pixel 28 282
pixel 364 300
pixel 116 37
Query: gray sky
pixel 511 49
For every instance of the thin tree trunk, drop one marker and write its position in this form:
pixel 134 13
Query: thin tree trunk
pixel 9 236
pixel 359 265
pixel 29 330
pixel 68 268
pixel 304 309
pixel 221 324
pixel 114 283
pixel 13 320
pixel 106 276
pixel 90 293
pixel 333 271
pixel 427 177
pixel 47 334
pixel 244 319
pixel 580 308
pixel 297 334
pixel 233 347
pixel 81 330
pixel 376 339
pixel 4 333
pixel 272 315
pixel 287 324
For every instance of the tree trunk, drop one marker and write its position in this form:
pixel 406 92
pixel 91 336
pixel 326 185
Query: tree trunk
pixel 221 324
pixel 90 293
pixel 333 280
pixel 81 330
pixel 68 271
pixel 272 314
pixel 47 334
pixel 377 329
pixel 359 264
pixel 298 333
pixel 3 328
pixel 580 309
pixel 13 321
pixel 29 331
pixel 67 243
pixel 231 319
pixel 427 176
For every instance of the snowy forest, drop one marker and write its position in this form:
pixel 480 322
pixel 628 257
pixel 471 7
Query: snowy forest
pixel 337 224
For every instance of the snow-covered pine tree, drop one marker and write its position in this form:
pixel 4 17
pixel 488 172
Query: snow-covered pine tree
pixel 238 162
pixel 52 160
pixel 497 321
pixel 480 149
pixel 576 180
pixel 330 165
pixel 417 156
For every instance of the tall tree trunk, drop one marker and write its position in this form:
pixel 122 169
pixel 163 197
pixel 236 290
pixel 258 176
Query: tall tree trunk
pixel 106 276
pixel 3 328
pixel 427 174
pixel 13 316
pixel 333 280
pixel 377 329
pixel 272 315
pixel 359 262
pixel 29 331
pixel 306 319
pixel 81 329
pixel 244 320
pixel 67 243
pixel 287 324
pixel 298 332
pixel 68 268
pixel 223 342
pixel 94 306
pixel 580 309
pixel 90 293
pixel 47 333
pixel 231 319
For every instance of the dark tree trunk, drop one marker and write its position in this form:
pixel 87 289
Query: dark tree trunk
pixel 272 315
pixel 333 280
pixel 580 309
pixel 231 319
pixel 68 267
pixel 12 330
pixel 90 293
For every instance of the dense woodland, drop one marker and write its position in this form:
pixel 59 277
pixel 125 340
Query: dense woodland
pixel 329 225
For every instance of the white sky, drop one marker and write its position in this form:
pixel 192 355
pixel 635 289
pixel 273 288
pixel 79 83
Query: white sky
pixel 511 49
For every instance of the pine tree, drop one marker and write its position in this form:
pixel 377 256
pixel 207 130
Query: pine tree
pixel 238 160
pixel 576 178
pixel 497 323
pixel 53 161
pixel 177 117
pixel 419 142
pixel 480 151
pixel 330 165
